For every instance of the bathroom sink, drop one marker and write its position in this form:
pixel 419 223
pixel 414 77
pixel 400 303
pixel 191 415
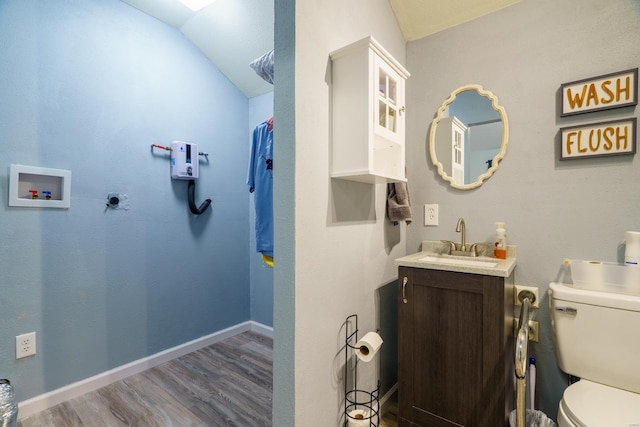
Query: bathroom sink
pixel 459 261
pixel 432 257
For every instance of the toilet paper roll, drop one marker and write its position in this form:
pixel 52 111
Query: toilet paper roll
pixel 368 346
pixel 594 275
pixel 358 418
pixel 632 248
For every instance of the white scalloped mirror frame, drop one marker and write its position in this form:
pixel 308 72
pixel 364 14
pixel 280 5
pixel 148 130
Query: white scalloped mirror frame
pixel 496 159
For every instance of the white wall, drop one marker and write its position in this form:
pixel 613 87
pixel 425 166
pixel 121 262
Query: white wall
pixel 552 209
pixel 343 246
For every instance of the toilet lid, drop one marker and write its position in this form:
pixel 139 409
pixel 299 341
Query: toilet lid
pixel 592 404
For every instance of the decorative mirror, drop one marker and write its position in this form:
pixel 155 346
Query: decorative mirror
pixel 468 137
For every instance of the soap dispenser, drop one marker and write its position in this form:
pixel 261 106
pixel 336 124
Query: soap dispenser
pixel 500 249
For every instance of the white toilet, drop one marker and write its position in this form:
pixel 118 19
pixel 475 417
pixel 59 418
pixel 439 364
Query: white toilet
pixel 597 338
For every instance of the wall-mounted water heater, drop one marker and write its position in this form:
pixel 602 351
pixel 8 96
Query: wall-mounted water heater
pixel 184 165
pixel 184 160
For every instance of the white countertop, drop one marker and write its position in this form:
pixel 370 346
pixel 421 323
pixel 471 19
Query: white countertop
pixel 432 258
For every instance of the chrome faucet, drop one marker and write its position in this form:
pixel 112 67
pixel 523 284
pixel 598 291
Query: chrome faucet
pixel 461 248
pixel 461 227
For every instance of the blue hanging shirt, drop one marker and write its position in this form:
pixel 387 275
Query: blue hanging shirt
pixel 260 181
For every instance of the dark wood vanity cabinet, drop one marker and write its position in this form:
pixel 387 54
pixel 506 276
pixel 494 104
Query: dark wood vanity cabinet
pixel 455 361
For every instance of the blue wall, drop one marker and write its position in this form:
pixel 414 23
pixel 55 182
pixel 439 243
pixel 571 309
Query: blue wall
pixel 88 86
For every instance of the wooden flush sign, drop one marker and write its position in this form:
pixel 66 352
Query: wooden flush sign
pixel 599 139
pixel 600 93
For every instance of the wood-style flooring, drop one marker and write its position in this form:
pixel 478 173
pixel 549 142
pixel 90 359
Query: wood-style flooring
pixel 226 384
pixel 229 383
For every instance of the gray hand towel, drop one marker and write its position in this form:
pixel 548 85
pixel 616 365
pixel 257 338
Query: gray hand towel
pixel 398 203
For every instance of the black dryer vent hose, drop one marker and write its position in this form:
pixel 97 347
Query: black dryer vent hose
pixel 191 189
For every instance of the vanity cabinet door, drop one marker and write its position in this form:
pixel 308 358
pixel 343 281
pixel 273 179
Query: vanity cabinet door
pixel 454 347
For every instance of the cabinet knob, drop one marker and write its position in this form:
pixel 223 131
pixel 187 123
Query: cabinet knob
pixel 402 109
pixel 404 285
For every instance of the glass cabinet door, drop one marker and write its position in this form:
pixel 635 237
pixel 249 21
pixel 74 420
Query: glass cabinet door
pixel 388 108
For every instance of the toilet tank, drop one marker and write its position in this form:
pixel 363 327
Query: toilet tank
pixel 597 335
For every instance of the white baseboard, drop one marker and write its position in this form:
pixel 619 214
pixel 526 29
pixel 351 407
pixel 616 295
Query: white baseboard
pixel 55 397
pixel 388 394
pixel 261 329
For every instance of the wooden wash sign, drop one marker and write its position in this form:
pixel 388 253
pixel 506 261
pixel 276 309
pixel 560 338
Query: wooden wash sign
pixel 600 93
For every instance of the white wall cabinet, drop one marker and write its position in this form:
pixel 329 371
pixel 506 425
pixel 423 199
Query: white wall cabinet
pixel 367 101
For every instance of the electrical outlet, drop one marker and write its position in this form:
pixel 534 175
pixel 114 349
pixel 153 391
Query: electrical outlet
pixel 25 345
pixel 534 290
pixel 430 214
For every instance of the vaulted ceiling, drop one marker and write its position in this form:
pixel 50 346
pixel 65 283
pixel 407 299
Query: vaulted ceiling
pixel 232 33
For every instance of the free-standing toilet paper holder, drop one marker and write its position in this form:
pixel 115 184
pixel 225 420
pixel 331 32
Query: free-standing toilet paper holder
pixel 361 408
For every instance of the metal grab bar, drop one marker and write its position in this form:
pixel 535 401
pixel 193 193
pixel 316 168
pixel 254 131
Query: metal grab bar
pixel 521 358
pixel 522 339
